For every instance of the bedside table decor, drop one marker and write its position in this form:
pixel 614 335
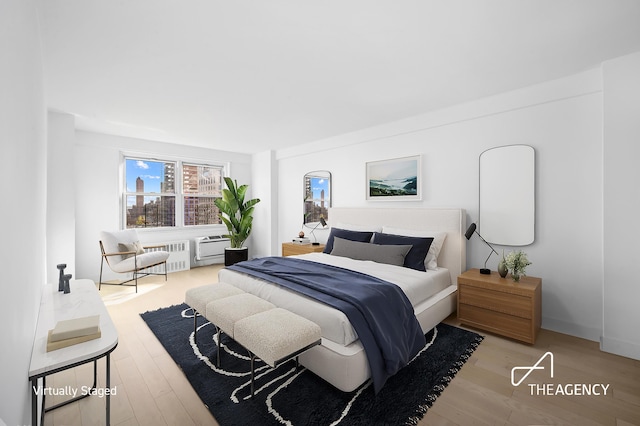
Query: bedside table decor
pixel 502 266
pixel 470 231
pixel 499 305
pixel 516 263
pixel 322 222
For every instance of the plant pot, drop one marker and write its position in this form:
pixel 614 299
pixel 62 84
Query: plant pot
pixel 235 255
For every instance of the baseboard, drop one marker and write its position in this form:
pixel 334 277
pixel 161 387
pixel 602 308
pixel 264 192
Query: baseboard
pixel 620 347
pixel 572 329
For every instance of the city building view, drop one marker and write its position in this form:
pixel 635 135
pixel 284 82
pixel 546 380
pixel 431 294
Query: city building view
pixel 316 202
pixel 152 203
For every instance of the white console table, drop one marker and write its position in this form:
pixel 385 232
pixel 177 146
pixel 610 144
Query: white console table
pixel 83 300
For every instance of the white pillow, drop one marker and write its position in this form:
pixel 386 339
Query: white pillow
pixel 431 261
pixel 360 228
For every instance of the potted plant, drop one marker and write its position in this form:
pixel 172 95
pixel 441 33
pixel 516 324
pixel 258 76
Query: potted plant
pixel 516 262
pixel 237 215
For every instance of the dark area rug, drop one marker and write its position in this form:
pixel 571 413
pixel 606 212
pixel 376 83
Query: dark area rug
pixel 298 397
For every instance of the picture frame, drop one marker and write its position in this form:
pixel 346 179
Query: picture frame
pixel 397 179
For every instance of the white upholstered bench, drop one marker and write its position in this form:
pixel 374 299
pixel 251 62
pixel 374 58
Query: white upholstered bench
pixel 198 298
pixel 271 334
pixel 276 336
pixel 224 313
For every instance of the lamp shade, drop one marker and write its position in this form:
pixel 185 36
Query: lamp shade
pixel 470 230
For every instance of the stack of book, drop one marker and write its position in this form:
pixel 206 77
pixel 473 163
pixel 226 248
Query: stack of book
pixel 73 331
pixel 303 240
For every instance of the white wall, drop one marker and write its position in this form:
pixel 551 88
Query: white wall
pixel 23 188
pixel 621 203
pixel 561 119
pixel 98 191
pixel 264 185
pixel 61 195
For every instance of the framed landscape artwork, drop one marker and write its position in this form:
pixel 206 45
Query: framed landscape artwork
pixel 398 179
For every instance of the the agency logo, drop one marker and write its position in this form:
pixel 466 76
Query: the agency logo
pixel 577 389
pixel 530 369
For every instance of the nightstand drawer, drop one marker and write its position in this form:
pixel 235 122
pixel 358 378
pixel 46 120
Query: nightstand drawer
pixel 292 249
pixel 497 322
pixel 511 304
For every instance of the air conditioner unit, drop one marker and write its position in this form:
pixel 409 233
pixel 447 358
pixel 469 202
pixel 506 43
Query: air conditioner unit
pixel 211 247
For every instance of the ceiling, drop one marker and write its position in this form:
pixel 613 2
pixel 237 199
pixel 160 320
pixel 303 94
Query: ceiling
pixel 248 76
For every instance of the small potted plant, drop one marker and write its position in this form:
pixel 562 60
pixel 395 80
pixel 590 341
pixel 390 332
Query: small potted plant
pixel 237 215
pixel 516 263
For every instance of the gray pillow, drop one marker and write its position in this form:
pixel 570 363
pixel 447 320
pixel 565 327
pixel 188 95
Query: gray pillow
pixel 390 254
pixel 135 247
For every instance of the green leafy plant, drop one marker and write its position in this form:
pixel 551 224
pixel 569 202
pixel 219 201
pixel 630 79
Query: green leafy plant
pixel 516 262
pixel 237 213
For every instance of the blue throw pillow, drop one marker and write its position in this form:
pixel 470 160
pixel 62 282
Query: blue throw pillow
pixel 360 236
pixel 415 258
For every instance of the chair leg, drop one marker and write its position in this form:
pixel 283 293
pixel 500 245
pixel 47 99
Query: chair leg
pixel 100 282
pixel 135 275
pixel 253 357
pixel 195 326
pixel 219 343
pixel 165 270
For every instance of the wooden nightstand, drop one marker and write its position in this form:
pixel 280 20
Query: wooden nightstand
pixel 290 249
pixel 500 305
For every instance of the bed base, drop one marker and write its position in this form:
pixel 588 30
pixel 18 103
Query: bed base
pixel 346 367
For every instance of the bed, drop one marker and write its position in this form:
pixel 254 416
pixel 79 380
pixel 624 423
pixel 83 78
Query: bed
pixel 341 359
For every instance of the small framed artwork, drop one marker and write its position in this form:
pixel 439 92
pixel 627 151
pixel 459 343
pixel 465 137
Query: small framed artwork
pixel 397 179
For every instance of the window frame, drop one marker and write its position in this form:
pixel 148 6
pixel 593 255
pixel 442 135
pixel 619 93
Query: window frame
pixel 179 194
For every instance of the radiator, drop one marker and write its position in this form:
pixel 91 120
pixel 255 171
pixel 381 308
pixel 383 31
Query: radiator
pixel 179 259
pixel 211 247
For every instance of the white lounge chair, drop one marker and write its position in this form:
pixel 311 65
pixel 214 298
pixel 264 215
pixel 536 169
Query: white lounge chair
pixel 123 253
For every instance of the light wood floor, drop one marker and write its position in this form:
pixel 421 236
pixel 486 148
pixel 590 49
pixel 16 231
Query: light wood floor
pixel 151 389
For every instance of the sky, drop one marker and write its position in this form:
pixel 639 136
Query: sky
pixel 152 172
pixel 394 169
pixel 317 185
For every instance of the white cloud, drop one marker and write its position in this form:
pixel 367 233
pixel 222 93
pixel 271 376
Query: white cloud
pixel 142 165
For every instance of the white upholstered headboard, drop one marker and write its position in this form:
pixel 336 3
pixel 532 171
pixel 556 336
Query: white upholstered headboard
pixel 452 221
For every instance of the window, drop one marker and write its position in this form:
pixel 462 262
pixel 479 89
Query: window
pixel 154 199
pixel 201 186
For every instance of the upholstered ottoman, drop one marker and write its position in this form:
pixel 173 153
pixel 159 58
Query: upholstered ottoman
pixel 199 297
pixel 224 313
pixel 276 336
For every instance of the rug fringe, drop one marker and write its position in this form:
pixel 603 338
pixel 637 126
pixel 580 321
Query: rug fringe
pixel 166 307
pixel 437 389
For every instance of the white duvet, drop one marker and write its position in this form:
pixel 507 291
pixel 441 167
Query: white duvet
pixel 417 285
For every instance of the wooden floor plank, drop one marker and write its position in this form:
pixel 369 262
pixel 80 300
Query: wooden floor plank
pixel 186 394
pixel 479 401
pixel 173 411
pixel 568 409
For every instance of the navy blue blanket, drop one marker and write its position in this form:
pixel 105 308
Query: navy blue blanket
pixel 379 311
